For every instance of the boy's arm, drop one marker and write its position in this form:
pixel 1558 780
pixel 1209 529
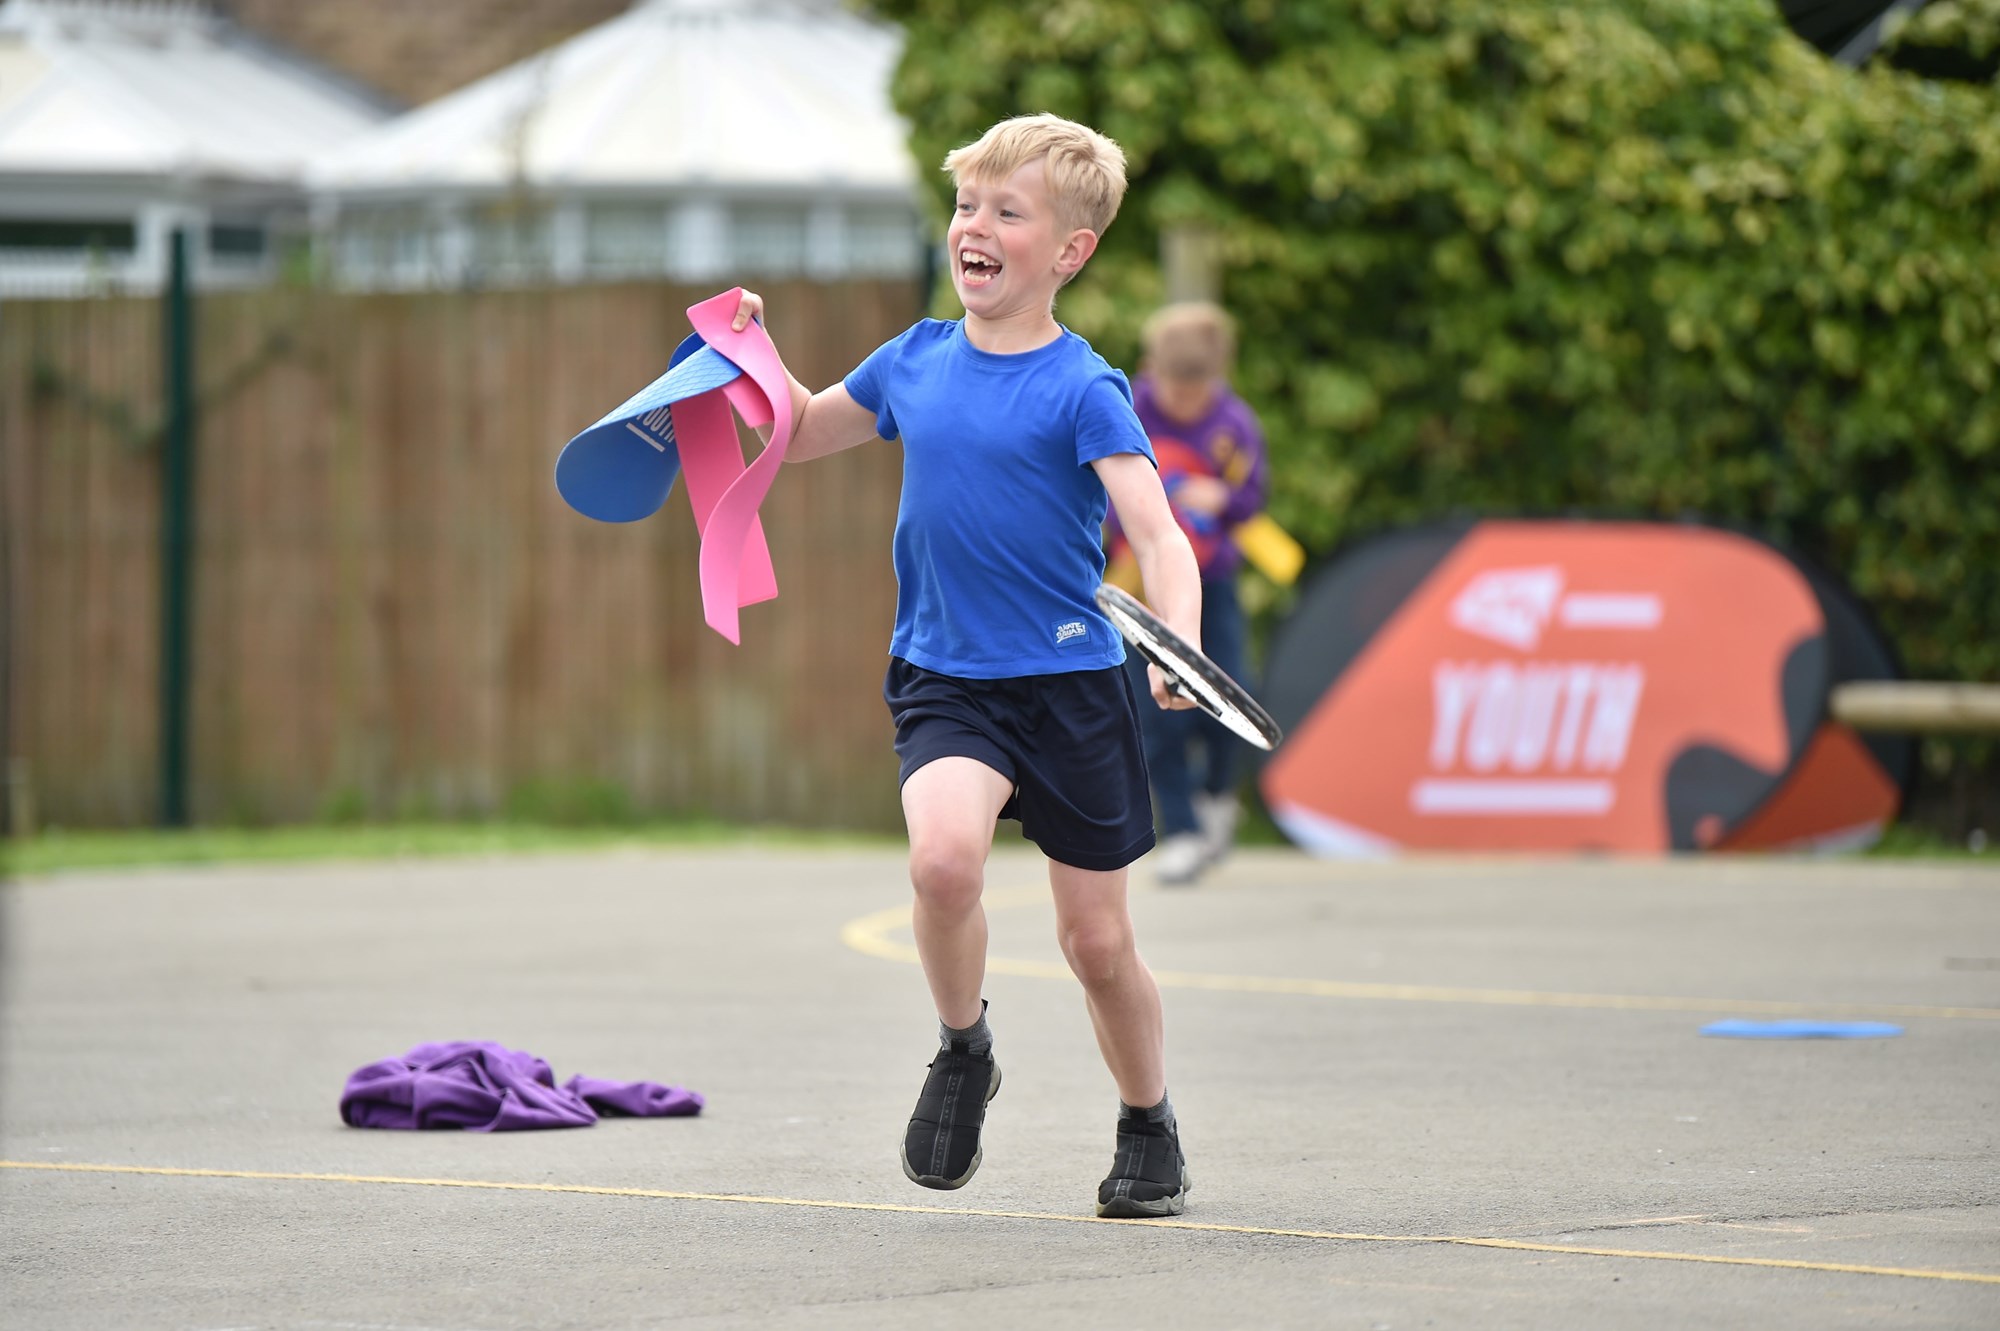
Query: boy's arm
pixel 823 422
pixel 1166 560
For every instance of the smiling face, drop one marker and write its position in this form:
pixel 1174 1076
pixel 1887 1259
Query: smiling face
pixel 1009 250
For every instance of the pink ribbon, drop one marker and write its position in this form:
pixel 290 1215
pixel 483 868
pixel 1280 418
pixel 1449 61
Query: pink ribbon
pixel 725 494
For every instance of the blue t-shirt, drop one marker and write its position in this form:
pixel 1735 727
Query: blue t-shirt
pixel 998 548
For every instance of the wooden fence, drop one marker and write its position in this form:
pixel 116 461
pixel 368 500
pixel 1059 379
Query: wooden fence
pixel 393 611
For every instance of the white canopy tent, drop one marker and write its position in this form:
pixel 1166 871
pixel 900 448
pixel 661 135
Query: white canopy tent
pixel 684 138
pixel 120 121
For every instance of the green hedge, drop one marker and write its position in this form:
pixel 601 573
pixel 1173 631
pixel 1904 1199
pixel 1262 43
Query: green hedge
pixel 1958 39
pixel 1649 257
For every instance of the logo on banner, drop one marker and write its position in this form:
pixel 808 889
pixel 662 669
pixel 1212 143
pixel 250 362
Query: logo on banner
pixel 1513 606
pixel 1520 732
pixel 1538 722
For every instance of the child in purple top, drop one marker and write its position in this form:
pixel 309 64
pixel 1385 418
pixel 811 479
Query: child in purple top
pixel 1211 454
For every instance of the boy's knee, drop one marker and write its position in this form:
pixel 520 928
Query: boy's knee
pixel 947 876
pixel 1099 950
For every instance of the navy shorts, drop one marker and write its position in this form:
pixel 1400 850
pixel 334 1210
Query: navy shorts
pixel 1069 743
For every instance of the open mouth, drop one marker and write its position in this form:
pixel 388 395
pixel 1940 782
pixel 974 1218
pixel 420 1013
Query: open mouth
pixel 976 269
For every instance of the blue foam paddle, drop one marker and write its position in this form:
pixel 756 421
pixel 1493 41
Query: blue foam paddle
pixel 621 469
pixel 1737 1028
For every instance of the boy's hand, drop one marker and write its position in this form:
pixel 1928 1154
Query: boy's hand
pixel 1171 701
pixel 748 308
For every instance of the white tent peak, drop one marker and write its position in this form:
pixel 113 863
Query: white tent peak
pixel 701 94
pixel 152 88
pixel 133 17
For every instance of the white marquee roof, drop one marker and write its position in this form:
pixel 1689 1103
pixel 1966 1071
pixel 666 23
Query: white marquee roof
pixel 725 94
pixel 160 89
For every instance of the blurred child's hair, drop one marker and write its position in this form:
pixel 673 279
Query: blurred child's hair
pixel 1189 340
pixel 1085 170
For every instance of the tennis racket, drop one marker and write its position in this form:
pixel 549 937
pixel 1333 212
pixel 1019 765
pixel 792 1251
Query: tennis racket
pixel 1188 672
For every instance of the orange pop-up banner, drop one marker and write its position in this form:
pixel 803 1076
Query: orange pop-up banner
pixel 1568 686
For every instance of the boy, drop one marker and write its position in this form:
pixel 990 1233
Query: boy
pixel 1005 682
pixel 1210 447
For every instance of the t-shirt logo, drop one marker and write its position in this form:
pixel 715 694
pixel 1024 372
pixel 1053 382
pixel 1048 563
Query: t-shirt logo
pixel 1072 630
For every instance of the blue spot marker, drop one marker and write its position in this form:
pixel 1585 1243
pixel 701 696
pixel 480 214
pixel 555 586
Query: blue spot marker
pixel 1737 1028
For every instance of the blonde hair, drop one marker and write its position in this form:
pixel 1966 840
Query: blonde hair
pixel 1190 340
pixel 1086 171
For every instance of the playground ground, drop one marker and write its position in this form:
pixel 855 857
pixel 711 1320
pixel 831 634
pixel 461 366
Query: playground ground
pixel 1427 1093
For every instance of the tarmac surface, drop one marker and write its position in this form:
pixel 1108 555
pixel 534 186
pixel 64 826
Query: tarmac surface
pixel 1417 1094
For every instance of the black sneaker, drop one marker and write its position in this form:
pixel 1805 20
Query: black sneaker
pixel 1149 1174
pixel 941 1149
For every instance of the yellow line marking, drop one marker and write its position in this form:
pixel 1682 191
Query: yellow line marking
pixel 1260 1231
pixel 869 935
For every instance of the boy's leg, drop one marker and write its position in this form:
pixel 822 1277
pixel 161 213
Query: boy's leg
pixel 951 805
pixel 1148 1172
pixel 1223 634
pixel 1169 740
pixel 1094 927
pixel 1166 735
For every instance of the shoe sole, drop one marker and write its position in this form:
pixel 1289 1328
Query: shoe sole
pixel 938 1181
pixel 1125 1208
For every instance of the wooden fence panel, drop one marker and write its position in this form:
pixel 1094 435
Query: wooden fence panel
pixel 394 613
pixel 82 553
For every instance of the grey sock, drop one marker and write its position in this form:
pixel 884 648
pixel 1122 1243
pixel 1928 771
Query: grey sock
pixel 1162 1112
pixel 978 1037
